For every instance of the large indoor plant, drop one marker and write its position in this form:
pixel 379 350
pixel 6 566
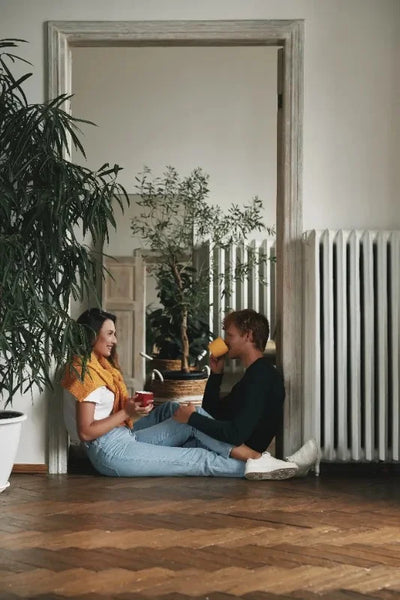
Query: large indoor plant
pixel 163 335
pixel 47 206
pixel 163 324
pixel 174 218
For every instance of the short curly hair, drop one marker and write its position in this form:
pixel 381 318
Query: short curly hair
pixel 248 320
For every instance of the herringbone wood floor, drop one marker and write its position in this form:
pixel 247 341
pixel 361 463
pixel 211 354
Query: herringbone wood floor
pixel 89 537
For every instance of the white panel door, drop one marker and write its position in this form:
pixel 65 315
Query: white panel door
pixel 124 295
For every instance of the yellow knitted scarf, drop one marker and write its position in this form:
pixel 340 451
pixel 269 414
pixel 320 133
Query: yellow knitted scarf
pixel 99 372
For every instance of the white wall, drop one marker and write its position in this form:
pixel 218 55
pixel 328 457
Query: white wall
pixel 187 107
pixel 351 103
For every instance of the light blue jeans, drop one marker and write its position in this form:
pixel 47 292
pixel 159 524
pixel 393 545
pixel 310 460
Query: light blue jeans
pixel 154 448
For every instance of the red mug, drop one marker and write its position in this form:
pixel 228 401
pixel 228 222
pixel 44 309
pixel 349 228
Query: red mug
pixel 144 398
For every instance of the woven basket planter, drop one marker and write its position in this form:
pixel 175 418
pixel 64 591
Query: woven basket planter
pixel 166 364
pixel 182 390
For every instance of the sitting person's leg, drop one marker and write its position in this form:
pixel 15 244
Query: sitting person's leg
pixel 262 465
pixel 157 415
pixel 171 433
pixel 174 434
pixel 243 452
pixel 201 440
pixel 119 454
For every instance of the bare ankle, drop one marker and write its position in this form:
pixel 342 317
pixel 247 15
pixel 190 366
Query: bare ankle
pixel 243 453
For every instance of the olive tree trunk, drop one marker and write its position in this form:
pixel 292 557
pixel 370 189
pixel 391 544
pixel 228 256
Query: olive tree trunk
pixel 184 321
pixel 185 341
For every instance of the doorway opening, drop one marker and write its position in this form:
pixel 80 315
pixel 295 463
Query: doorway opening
pixel 287 35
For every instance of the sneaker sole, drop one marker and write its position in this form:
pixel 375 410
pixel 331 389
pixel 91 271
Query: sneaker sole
pixel 277 474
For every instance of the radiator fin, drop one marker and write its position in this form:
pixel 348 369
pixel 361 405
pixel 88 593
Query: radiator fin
pixel 256 289
pixel 351 343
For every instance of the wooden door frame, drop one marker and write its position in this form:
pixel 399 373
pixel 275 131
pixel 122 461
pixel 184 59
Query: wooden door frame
pixel 287 34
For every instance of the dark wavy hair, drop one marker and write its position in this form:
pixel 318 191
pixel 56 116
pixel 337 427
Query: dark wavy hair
pixel 248 320
pixel 92 320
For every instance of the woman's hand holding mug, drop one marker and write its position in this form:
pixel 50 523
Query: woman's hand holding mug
pixel 140 404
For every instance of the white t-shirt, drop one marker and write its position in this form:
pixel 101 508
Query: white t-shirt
pixel 103 399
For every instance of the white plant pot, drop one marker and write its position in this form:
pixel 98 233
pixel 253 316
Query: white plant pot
pixel 10 431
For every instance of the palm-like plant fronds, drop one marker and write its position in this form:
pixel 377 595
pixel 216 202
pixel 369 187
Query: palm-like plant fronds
pixel 47 205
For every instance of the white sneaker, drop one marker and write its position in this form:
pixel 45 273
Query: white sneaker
pixel 268 467
pixel 305 458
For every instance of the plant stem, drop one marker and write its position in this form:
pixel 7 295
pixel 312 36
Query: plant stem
pixel 185 341
pixel 184 318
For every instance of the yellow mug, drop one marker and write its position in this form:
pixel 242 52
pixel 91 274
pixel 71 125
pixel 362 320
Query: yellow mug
pixel 218 347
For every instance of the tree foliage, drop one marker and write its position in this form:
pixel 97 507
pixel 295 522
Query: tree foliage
pixel 175 216
pixel 163 325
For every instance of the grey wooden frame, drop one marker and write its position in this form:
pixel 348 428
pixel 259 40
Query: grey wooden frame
pixel 286 34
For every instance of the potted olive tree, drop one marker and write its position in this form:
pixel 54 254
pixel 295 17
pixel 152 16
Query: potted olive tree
pixel 46 204
pixel 163 332
pixel 174 218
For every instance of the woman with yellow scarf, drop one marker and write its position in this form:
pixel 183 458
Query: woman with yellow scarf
pixel 100 413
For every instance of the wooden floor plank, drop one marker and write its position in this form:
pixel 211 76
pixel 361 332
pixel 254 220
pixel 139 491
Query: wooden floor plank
pixel 87 537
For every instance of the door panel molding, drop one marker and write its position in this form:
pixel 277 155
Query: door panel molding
pixel 124 294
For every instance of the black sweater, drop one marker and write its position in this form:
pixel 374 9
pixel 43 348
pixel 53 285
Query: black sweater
pixel 250 414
